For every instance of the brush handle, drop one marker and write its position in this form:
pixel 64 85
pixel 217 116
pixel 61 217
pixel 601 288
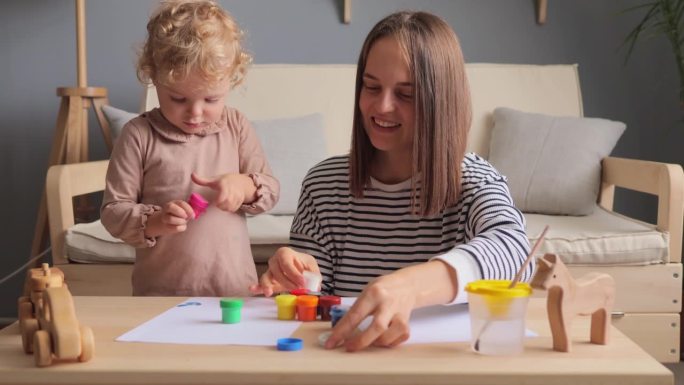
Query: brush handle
pixel 519 274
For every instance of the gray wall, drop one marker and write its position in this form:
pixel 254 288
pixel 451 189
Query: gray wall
pixel 37 46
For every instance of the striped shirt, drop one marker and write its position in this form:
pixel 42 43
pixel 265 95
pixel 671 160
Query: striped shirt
pixel 356 240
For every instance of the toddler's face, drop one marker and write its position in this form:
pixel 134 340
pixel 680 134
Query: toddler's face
pixel 194 103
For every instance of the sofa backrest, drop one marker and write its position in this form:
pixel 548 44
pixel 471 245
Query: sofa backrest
pixel 288 90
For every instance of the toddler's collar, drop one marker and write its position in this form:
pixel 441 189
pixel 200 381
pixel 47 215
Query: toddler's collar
pixel 167 130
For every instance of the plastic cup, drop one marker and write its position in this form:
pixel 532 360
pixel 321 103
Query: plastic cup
pixel 497 316
pixel 286 304
pixel 231 309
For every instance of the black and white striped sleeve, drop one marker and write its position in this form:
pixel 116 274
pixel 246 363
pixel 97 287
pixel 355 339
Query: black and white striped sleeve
pixel 495 231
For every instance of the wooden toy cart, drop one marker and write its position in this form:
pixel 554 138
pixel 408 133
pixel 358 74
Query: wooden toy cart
pixel 37 281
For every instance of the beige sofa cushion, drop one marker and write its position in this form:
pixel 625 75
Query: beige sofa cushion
pixel 269 229
pixel 292 146
pixel 602 238
pixel 91 243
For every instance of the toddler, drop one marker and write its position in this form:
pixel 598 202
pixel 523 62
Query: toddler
pixel 192 143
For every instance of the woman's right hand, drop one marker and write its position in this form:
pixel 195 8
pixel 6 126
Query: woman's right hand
pixel 284 272
pixel 173 218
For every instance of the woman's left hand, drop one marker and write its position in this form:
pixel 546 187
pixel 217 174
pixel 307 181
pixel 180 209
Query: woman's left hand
pixel 389 300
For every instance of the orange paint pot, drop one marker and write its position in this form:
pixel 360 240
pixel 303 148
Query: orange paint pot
pixel 307 306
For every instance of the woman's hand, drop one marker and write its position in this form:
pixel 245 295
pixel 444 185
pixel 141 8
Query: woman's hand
pixel 284 272
pixel 172 218
pixel 233 190
pixel 390 299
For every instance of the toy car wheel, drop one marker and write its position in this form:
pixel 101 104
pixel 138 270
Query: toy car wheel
pixel 87 344
pixel 28 327
pixel 42 347
pixel 25 309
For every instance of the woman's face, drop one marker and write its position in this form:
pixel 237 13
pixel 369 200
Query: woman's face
pixel 386 99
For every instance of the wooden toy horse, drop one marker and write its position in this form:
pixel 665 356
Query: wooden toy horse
pixel 592 294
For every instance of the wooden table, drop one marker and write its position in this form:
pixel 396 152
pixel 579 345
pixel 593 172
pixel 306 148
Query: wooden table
pixel 621 362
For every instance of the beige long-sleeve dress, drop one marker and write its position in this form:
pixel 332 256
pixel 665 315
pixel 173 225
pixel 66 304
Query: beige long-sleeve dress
pixel 150 165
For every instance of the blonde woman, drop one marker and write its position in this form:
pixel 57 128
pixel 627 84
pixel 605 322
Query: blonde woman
pixel 192 143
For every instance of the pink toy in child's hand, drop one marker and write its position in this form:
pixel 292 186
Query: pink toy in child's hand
pixel 198 203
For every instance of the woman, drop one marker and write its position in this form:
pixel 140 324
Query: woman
pixel 407 219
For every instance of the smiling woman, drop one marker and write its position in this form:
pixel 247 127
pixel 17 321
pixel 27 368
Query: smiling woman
pixel 407 219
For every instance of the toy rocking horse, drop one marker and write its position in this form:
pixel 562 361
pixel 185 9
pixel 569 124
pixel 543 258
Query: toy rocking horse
pixel 592 294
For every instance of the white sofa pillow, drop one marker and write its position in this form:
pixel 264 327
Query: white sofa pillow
pixel 292 146
pixel 553 164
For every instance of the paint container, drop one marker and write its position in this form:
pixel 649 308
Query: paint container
pixel 286 304
pixel 198 203
pixel 298 292
pixel 312 281
pixel 325 303
pixel 336 313
pixel 306 307
pixel 231 309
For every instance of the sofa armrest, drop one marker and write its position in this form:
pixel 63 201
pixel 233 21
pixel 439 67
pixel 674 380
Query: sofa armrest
pixel 664 180
pixel 62 184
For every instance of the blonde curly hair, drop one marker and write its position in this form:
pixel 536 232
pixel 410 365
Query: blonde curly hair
pixel 183 36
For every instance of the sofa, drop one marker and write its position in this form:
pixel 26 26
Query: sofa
pixel 303 114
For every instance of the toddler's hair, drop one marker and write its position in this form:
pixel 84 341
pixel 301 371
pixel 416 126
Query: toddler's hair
pixel 183 36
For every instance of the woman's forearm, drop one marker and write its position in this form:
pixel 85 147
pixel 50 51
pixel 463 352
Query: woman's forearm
pixel 434 282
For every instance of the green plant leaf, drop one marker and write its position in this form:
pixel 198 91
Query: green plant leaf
pixel 662 18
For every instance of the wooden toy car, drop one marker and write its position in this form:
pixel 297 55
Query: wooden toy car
pixel 60 332
pixel 47 319
pixel 29 304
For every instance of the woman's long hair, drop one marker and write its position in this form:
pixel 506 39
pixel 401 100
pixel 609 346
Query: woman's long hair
pixel 442 106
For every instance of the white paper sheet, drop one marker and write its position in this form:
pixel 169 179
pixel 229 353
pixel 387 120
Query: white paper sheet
pixel 198 321
pixel 435 324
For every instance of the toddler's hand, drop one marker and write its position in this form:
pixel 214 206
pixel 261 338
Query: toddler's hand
pixel 232 189
pixel 284 272
pixel 173 218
